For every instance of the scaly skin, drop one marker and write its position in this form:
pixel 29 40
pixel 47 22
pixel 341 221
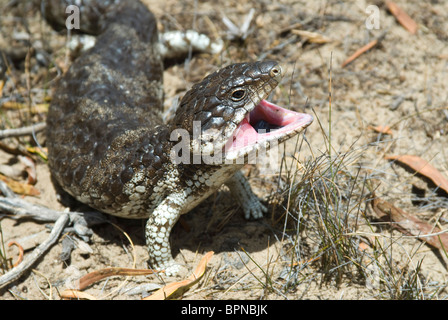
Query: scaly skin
pixel 108 146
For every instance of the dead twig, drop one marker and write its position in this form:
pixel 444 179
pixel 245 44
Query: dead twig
pixel 20 258
pixel 312 37
pixel 17 208
pixel 6 191
pixel 402 17
pixel 29 260
pixel 14 207
pixel 363 49
pixel 22 131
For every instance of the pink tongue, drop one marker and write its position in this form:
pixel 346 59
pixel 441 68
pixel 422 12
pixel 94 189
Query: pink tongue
pixel 244 135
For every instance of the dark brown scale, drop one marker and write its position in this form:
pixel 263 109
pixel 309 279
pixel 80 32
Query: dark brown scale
pixel 116 187
pixel 121 198
pixel 78 173
pixel 126 175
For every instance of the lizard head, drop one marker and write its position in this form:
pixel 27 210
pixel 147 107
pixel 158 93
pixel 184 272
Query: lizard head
pixel 227 114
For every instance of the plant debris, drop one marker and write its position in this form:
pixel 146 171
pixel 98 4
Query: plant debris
pixel 402 17
pixel 408 224
pixel 423 167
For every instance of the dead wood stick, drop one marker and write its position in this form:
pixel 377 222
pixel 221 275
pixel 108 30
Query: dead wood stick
pixel 22 131
pixel 6 191
pixel 14 207
pixel 19 208
pixel 363 49
pixel 29 260
pixel 402 17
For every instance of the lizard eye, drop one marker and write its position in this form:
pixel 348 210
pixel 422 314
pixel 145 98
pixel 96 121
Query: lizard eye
pixel 238 94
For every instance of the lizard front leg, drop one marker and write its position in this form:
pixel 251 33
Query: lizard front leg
pixel 242 192
pixel 158 229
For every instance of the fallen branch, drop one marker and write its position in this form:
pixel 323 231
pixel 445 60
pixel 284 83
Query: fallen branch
pixel 29 260
pixel 22 131
pixel 17 208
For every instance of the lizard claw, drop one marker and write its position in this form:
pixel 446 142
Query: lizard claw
pixel 240 189
pixel 253 208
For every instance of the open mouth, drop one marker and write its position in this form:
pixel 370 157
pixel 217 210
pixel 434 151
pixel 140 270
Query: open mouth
pixel 265 123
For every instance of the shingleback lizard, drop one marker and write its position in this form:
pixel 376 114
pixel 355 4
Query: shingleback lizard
pixel 109 148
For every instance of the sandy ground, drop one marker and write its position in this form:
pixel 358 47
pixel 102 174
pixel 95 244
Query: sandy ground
pixel 402 82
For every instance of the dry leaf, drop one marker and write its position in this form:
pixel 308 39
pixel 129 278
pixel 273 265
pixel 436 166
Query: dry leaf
pixel 312 37
pixel 2 84
pixel 359 52
pixel 98 275
pixel 382 129
pixel 37 108
pixel 299 263
pixel 179 287
pixel 20 258
pixel 13 105
pixel 40 152
pixel 363 246
pixel 75 294
pixel 402 17
pixel 410 225
pixel 95 276
pixel 20 188
pixel 422 167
